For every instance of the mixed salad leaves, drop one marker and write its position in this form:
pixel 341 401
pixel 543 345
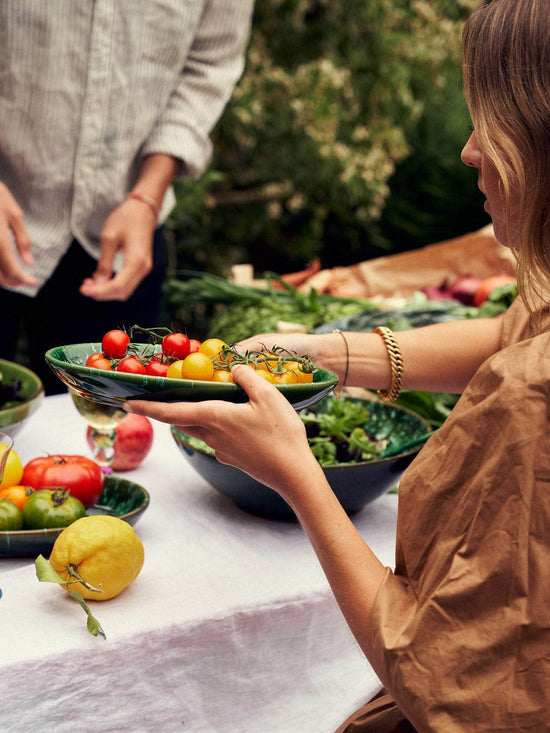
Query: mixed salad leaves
pixel 337 434
pixel 10 394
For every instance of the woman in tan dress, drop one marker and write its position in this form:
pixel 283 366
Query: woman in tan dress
pixel 459 632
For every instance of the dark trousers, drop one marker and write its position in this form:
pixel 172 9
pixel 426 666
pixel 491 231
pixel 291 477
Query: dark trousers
pixel 60 315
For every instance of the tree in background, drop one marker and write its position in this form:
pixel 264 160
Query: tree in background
pixel 341 142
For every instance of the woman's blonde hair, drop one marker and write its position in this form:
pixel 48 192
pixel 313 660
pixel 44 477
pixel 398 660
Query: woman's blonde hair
pixel 506 62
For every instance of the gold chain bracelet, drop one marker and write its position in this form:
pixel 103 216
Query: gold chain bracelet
pixel 396 364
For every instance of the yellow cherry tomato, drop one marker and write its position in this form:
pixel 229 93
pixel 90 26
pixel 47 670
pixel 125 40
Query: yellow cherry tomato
pixel 222 375
pixel 211 347
pixel 268 364
pixel 197 366
pixel 268 376
pixel 296 368
pixel 174 370
pixel 285 378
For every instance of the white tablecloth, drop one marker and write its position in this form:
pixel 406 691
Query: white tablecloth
pixel 230 627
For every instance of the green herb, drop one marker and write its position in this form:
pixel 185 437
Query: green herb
pixel 242 311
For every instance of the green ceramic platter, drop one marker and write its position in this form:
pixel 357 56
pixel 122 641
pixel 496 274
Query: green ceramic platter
pixel 120 498
pixel 112 388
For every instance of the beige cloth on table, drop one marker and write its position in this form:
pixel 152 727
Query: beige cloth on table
pixel 477 253
pixel 461 630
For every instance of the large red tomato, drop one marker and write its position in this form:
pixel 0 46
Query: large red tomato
pixel 79 475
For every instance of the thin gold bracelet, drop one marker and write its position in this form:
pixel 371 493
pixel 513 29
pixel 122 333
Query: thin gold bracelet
pixel 396 364
pixel 337 330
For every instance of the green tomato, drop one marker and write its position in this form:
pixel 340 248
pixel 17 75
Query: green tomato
pixel 11 518
pixel 47 509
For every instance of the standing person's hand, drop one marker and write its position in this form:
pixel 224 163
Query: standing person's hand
pixel 128 231
pixel 12 224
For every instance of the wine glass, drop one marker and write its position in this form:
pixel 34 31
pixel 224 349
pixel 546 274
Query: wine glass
pixel 103 420
pixel 6 444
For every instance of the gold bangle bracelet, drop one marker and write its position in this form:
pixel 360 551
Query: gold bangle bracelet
pixel 396 364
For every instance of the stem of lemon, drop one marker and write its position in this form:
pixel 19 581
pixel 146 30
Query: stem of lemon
pixel 73 573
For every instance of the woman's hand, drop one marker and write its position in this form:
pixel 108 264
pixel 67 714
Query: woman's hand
pixel 327 350
pixel 264 437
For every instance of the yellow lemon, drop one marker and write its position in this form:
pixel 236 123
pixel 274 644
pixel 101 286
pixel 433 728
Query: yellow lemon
pixel 13 472
pixel 103 552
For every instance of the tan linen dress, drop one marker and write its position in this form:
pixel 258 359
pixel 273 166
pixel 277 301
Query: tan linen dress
pixel 461 630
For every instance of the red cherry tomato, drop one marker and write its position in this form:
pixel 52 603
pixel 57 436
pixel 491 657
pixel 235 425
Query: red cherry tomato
pixel 114 344
pixel 79 475
pixel 156 368
pixel 93 357
pixel 175 345
pixel 131 365
pixel 194 345
pixel 100 362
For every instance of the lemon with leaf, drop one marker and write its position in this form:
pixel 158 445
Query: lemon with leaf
pixel 98 556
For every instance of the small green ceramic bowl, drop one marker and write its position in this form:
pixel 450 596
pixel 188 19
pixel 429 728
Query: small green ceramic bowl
pixel 120 498
pixel 355 484
pixel 112 387
pixel 13 418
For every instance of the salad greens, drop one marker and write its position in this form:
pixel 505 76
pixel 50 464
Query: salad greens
pixel 10 394
pixel 337 435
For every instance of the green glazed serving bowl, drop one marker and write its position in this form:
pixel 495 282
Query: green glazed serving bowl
pixel 120 498
pixel 355 484
pixel 113 388
pixel 13 418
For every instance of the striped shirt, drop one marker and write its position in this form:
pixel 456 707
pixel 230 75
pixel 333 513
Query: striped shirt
pixel 89 87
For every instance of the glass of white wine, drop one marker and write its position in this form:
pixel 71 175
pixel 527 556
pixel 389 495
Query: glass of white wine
pixel 103 420
pixel 6 444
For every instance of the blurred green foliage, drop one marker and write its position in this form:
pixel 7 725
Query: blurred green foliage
pixel 342 140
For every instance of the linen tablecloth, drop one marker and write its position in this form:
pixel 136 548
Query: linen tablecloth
pixel 230 627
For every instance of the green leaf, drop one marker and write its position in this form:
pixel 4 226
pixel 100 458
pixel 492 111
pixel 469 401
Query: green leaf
pixel 45 573
pixel 324 451
pixel 342 418
pixel 359 440
pixel 92 624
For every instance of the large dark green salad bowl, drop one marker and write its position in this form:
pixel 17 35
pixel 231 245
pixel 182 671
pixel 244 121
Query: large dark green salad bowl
pixel 355 484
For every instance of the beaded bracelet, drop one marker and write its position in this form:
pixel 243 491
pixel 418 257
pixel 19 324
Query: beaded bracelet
pixel 151 203
pixel 396 364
